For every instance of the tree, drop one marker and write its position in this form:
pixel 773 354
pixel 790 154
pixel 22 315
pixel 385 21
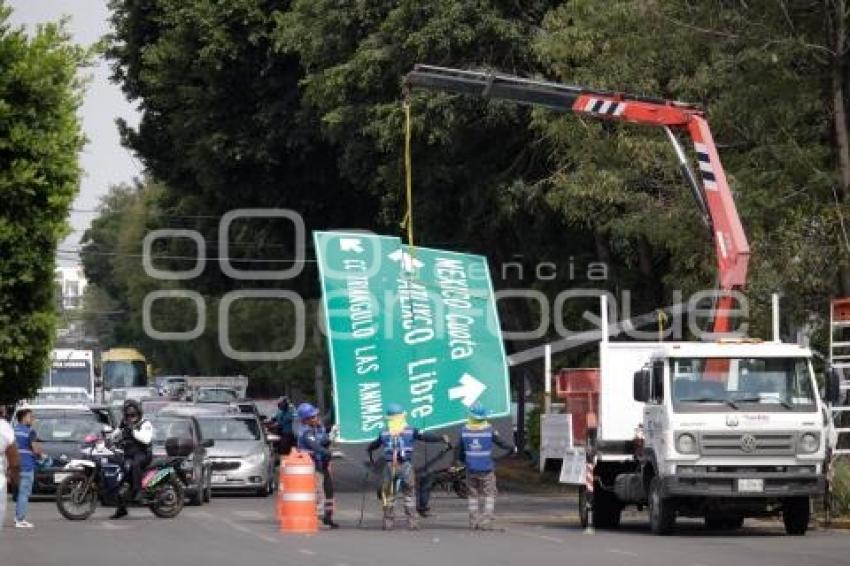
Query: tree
pixel 40 138
pixel 763 71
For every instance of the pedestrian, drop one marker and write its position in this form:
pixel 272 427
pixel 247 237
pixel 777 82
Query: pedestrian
pixel 10 462
pixel 315 440
pixel 475 449
pixel 284 421
pixel 30 451
pixel 397 442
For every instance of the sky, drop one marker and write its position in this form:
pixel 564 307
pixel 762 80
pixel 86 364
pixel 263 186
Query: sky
pixel 104 160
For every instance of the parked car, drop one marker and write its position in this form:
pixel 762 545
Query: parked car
pixel 61 430
pixel 197 467
pixel 243 458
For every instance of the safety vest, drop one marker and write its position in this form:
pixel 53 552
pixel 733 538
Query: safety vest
pixel 398 447
pixel 478 448
pixel 22 439
pixel 322 439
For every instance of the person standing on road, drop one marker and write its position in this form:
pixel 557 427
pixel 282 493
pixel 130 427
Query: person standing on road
pixel 30 450
pixel 134 435
pixel 315 440
pixel 10 463
pixel 475 449
pixel 285 420
pixel 397 441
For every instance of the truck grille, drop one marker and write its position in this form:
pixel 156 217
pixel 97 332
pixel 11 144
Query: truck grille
pixel 747 443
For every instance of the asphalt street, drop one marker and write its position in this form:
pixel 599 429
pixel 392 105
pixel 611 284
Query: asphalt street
pixel 539 528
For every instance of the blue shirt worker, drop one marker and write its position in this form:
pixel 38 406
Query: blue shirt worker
pixel 397 443
pixel 315 441
pixel 31 452
pixel 475 449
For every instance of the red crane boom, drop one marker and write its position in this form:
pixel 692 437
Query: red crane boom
pixel 711 192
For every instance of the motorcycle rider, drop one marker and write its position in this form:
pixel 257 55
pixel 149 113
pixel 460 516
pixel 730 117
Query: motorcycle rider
pixel 397 441
pixel 134 435
pixel 316 441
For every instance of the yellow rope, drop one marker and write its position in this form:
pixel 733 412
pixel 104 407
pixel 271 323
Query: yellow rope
pixel 407 222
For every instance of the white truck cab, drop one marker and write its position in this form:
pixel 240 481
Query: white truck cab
pixel 722 431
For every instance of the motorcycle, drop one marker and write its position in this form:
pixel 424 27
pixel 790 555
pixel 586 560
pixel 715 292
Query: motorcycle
pixel 451 479
pixel 98 477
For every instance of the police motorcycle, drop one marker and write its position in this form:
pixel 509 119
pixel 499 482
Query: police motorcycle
pixel 98 477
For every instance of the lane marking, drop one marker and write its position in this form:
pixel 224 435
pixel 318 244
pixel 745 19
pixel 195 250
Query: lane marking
pixel 243 529
pixel 622 552
pixel 306 552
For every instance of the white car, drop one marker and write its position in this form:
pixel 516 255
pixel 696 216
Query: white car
pixel 136 393
pixel 61 395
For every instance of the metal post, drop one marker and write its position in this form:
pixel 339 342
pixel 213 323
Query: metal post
pixel 547 371
pixel 603 307
pixel 775 302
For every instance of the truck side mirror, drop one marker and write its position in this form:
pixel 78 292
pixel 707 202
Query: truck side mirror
pixel 641 385
pixel 832 391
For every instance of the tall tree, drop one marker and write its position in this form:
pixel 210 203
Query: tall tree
pixel 39 176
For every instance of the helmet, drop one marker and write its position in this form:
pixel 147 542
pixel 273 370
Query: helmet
pixel 394 409
pixel 132 404
pixel 478 411
pixel 307 411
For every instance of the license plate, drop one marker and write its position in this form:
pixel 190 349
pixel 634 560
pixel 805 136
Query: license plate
pixel 219 478
pixel 57 478
pixel 751 485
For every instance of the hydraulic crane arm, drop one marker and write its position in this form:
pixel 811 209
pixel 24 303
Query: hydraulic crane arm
pixel 711 192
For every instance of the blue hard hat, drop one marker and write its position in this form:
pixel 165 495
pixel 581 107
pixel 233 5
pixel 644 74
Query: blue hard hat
pixel 478 411
pixel 394 409
pixel 307 411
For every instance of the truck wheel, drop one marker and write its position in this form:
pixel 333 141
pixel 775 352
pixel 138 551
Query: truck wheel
pixel 795 515
pixel 606 509
pixel 662 513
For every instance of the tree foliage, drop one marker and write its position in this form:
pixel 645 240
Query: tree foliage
pixel 40 138
pixel 298 104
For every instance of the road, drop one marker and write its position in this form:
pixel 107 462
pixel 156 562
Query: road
pixel 539 528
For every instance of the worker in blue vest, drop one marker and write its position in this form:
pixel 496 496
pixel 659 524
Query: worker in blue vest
pixel 397 442
pixel 475 449
pixel 316 441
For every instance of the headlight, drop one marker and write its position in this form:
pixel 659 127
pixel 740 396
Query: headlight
pixel 255 459
pixel 809 443
pixel 686 443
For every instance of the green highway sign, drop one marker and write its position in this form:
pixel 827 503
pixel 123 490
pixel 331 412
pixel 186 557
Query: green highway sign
pixel 413 326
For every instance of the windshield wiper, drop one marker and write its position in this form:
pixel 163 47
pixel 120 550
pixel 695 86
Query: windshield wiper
pixel 729 402
pixel 780 400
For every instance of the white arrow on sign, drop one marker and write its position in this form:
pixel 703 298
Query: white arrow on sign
pixel 469 390
pixel 351 245
pixel 408 262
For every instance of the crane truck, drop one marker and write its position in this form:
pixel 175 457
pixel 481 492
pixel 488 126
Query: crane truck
pixel 722 429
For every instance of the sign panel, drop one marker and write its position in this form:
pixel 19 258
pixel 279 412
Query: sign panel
pixel 413 326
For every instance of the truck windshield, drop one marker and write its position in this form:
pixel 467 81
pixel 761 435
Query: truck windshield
pixel 124 374
pixel 67 375
pixel 746 384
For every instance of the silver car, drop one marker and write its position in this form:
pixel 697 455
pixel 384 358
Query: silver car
pixel 242 457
